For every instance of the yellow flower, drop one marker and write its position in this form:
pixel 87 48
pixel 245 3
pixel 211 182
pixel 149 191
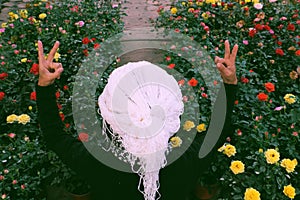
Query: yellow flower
pixel 205 15
pixel 42 15
pixel 289 98
pixel 199 3
pixel 173 10
pixel 11 14
pixel 23 13
pixel 56 56
pixel 272 156
pixel 190 3
pixel 11 118
pixel 24 60
pixel 201 127
pixel 255 1
pixel 43 0
pixel 247 1
pixel 24 119
pixel 30 108
pixel 183 3
pixel 237 167
pixel 3 25
pixel 210 1
pixel 289 165
pixel 176 141
pixel 188 125
pixel 229 150
pixel 15 16
pixel 191 10
pixel 260 150
pixel 289 191
pixel 251 194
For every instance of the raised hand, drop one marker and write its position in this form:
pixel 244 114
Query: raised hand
pixel 48 70
pixel 226 65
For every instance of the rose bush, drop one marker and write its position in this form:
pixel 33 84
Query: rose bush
pixel 80 26
pixel 260 161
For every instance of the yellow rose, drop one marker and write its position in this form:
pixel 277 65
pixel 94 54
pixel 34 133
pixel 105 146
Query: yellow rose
pixel 11 14
pixel 3 25
pixel 30 108
pixel 289 165
pixel 205 16
pixel 272 156
pixel 289 191
pixel 251 194
pixel 229 150
pixel 260 150
pixel 210 1
pixel 23 13
pixel 183 3
pixel 42 15
pixel 247 1
pixel 201 127
pixel 176 141
pixel 191 10
pixel 24 60
pixel 173 10
pixel 255 1
pixel 237 167
pixel 289 98
pixel 199 3
pixel 23 119
pixel 15 16
pixel 11 118
pixel 188 125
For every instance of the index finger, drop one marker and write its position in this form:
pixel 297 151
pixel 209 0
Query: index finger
pixel 53 51
pixel 227 50
pixel 40 51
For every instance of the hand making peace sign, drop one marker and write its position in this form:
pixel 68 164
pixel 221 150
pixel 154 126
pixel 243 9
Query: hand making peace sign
pixel 226 65
pixel 48 70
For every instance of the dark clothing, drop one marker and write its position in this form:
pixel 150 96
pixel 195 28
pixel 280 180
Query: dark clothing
pixel 176 180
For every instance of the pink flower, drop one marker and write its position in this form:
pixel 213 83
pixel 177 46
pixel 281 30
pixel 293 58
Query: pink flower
pixel 278 108
pixel 2 30
pixel 115 5
pixel 245 42
pixel 1 178
pixel 258 6
pixel 11 25
pixel 3 196
pixel 14 182
pixel 16 52
pixel 23 187
pixel 83 137
pixel 272 1
pixel 283 18
pixel 11 135
pixel 80 23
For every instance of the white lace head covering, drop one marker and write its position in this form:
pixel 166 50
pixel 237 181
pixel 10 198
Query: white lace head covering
pixel 142 104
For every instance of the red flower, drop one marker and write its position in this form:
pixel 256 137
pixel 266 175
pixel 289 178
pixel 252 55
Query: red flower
pixel 206 28
pixel 171 66
pixel 267 27
pixel 252 32
pixel 259 27
pixel 279 52
pixel 193 82
pixel 66 87
pixel 74 9
pixel 93 39
pixel 62 116
pixel 83 137
pixel 33 96
pixel 3 76
pixel 291 27
pixel 85 52
pixel 34 69
pixel 59 106
pixel 244 80
pixel 204 95
pixel 168 58
pixel 279 43
pixel 2 95
pixel 297 53
pixel 236 102
pixel 11 135
pixel 67 125
pixel 181 82
pixel 96 45
pixel 270 87
pixel 86 40
pixel 246 9
pixel 57 94
pixel 262 96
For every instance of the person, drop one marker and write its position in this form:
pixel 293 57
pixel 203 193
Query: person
pixel 177 180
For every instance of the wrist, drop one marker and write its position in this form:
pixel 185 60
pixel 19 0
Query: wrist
pixel 44 83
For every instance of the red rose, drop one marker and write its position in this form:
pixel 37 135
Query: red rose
pixel 171 66
pixel 206 28
pixel 2 95
pixel 3 76
pixel 252 32
pixel 85 40
pixel 193 82
pixel 297 53
pixel 244 80
pixel 93 39
pixel 83 137
pixel 57 94
pixel 279 43
pixel 246 9
pixel 33 96
pixel 262 96
pixel 62 116
pixel 85 52
pixel 96 45
pixel 204 95
pixel 66 87
pixel 291 27
pixel 270 87
pixel 34 69
pixel 259 27
pixel 267 27
pixel 279 52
